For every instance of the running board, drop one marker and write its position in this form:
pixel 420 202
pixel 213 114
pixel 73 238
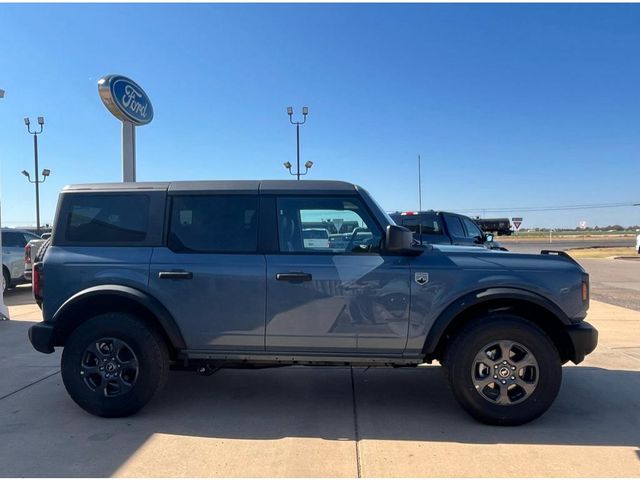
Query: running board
pixel 293 358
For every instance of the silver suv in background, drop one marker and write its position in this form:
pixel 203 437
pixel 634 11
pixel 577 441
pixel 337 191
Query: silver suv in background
pixel 13 245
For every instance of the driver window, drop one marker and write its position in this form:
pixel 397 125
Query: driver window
pixel 326 225
pixel 472 230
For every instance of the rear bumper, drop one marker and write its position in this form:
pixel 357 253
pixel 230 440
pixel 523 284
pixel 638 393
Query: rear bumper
pixel 41 337
pixel 584 339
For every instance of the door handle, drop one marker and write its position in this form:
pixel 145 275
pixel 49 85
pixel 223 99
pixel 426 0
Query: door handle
pixel 296 277
pixel 176 275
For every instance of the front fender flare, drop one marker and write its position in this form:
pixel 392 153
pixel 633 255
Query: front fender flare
pixel 164 318
pixel 481 296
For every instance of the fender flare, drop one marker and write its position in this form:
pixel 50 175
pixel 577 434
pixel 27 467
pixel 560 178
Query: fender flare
pixel 164 318
pixel 469 300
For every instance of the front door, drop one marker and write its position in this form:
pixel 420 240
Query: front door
pixel 343 297
pixel 210 276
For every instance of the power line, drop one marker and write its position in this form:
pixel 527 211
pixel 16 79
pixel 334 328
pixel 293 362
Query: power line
pixel 552 208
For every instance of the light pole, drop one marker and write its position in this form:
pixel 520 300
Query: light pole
pixel 45 172
pixel 309 164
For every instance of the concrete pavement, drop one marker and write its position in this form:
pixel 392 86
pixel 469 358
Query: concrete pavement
pixel 299 421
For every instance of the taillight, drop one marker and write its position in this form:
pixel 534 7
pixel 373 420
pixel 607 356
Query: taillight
pixel 27 253
pixel 36 280
pixel 585 289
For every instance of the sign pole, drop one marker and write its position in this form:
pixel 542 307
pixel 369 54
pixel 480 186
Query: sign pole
pixel 128 102
pixel 128 152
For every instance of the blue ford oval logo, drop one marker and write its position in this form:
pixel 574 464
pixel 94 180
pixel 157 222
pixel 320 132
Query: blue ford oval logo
pixel 125 99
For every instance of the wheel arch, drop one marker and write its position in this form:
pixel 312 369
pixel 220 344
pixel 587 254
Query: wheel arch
pixel 529 305
pixel 116 298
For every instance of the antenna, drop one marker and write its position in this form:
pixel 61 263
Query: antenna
pixel 420 199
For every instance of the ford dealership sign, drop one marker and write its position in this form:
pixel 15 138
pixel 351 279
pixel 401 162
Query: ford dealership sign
pixel 125 99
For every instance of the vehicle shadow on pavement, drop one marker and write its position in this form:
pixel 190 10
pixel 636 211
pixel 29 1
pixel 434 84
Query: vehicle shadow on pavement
pixel 595 407
pixel 45 434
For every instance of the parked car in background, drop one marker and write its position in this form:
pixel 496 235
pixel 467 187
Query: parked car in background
pixel 315 237
pixel 638 244
pixel 445 228
pixel 30 251
pixel 13 243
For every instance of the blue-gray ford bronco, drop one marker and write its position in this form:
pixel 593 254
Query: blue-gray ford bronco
pixel 141 278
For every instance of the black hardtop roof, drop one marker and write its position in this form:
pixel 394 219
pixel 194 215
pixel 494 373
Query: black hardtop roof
pixel 222 186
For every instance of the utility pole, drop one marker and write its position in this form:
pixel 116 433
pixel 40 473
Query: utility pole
pixel 4 311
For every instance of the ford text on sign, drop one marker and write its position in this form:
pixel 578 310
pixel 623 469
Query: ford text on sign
pixel 125 99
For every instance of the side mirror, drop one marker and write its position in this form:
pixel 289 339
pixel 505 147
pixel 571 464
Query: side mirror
pixel 488 237
pixel 400 240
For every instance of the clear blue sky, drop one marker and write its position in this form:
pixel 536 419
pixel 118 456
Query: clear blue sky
pixel 510 105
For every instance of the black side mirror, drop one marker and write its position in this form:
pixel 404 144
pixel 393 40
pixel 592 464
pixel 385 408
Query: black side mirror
pixel 488 237
pixel 400 240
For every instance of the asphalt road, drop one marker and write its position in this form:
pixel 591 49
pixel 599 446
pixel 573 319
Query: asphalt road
pixel 612 281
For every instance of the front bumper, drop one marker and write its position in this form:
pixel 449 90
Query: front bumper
pixel 584 339
pixel 41 337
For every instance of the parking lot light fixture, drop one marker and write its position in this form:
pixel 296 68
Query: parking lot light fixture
pixel 37 180
pixel 305 112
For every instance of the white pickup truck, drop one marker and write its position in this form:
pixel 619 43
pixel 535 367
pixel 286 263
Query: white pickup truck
pixel 30 251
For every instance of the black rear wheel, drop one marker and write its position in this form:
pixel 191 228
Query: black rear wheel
pixel 503 369
pixel 113 364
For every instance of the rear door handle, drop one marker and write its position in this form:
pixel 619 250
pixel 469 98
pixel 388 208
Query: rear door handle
pixel 176 275
pixel 296 277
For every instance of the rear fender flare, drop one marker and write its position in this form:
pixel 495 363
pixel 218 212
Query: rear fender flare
pixel 164 319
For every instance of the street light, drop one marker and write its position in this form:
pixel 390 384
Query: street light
pixel 309 164
pixel 4 311
pixel 45 172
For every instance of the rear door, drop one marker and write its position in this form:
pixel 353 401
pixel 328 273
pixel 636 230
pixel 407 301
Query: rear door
pixel 210 275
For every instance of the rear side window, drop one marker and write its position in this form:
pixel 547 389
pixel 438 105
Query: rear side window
pixel 455 227
pixel 214 224
pixel 107 219
pixel 430 223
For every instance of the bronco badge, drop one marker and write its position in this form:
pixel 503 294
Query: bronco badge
pixel 422 278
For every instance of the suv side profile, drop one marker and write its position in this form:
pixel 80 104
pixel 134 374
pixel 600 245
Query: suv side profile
pixel 140 278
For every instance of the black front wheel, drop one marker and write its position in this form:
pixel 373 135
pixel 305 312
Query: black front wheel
pixel 113 364
pixel 503 369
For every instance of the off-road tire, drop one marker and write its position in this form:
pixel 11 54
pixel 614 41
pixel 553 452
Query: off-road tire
pixel 460 358
pixel 151 355
pixel 42 250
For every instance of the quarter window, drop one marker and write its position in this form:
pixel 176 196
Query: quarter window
pixel 107 218
pixel 214 223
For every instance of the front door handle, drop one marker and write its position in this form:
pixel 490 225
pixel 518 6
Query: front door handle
pixel 176 275
pixel 296 277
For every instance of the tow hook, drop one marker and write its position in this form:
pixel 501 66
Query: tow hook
pixel 208 369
